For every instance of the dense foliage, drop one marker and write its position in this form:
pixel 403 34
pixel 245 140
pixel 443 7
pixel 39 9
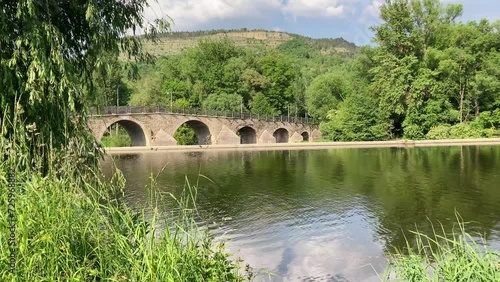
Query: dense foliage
pixel 50 55
pixel 218 75
pixel 72 225
pixel 429 69
pixel 426 71
pixel 64 222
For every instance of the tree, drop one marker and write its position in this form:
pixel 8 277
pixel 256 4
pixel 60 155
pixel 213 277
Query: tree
pixel 148 91
pixel 208 64
pixel 260 105
pixel 110 88
pixel 356 119
pixel 185 135
pixel 223 102
pixel 253 82
pixel 325 93
pixel 280 73
pixel 468 68
pixel 402 79
pixel 48 53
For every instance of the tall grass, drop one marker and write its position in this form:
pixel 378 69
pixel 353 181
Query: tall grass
pixel 112 139
pixel 448 257
pixel 72 226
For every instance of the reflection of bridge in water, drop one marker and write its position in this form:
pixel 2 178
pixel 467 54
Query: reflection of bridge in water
pixel 155 126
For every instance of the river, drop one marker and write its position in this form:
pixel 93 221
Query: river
pixel 326 215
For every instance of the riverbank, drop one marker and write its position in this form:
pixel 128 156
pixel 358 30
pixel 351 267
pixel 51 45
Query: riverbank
pixel 309 145
pixel 67 224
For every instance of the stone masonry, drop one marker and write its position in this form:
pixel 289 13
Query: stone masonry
pixel 157 129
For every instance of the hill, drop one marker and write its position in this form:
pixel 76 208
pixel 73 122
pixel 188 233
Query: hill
pixel 175 42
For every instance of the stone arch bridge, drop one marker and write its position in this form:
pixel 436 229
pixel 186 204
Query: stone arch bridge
pixel 155 126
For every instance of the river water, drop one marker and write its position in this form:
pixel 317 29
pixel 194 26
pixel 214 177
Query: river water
pixel 326 215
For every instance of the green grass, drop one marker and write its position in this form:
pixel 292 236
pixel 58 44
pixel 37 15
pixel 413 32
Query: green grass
pixel 322 140
pixel 116 141
pixel 459 257
pixel 112 139
pixel 73 226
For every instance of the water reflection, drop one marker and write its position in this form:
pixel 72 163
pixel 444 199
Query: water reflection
pixel 327 215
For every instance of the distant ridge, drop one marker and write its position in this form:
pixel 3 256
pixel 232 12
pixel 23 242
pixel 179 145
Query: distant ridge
pixel 173 43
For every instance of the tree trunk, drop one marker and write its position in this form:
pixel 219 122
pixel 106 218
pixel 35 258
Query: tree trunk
pixel 461 104
pixel 476 106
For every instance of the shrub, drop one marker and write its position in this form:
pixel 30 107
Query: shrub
pixel 441 131
pixel 413 132
pixel 465 130
pixel 457 131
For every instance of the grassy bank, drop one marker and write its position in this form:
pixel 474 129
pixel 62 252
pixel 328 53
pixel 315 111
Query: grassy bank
pixel 456 257
pixel 72 226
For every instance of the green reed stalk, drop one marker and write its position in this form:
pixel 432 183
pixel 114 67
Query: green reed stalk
pixel 73 226
pixel 456 257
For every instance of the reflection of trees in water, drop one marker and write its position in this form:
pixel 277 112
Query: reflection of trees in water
pixel 414 185
pixel 402 187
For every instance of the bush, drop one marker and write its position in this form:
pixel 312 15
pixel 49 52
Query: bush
pixel 489 119
pixel 413 132
pixel 439 132
pixel 457 131
pixel 185 135
pixel 465 130
pixel 122 139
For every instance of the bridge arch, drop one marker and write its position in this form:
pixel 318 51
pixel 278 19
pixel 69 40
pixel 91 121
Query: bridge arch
pixel 135 130
pixel 282 135
pixel 202 131
pixel 305 136
pixel 247 134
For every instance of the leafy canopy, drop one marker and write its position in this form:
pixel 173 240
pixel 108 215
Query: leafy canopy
pixel 49 51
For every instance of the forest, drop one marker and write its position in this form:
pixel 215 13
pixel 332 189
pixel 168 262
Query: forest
pixel 427 75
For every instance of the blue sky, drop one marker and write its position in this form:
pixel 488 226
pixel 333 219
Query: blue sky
pixel 349 19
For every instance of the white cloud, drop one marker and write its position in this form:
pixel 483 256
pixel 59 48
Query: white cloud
pixel 195 13
pixel 314 8
pixel 188 14
pixel 371 11
pixel 343 245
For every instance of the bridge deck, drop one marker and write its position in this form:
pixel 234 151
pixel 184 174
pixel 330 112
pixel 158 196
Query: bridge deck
pixel 129 110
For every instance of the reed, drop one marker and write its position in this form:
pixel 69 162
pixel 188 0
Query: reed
pixel 456 257
pixel 71 225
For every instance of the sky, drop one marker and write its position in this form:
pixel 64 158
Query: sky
pixel 349 19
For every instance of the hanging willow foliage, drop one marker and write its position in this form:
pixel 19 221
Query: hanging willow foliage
pixel 48 52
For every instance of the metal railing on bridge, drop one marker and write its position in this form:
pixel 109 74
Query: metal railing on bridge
pixel 129 110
